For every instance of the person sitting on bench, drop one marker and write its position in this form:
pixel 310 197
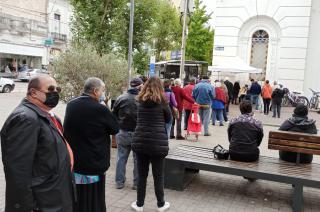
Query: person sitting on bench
pixel 299 122
pixel 245 135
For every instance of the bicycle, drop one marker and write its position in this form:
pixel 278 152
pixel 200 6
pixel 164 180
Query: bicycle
pixel 315 100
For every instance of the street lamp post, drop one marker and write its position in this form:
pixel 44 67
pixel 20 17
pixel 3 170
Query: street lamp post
pixel 184 32
pixel 130 40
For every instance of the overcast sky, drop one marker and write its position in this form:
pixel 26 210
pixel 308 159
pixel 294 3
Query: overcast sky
pixel 210 8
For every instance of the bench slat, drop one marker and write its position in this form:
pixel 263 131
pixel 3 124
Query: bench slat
pixel 294 149
pixel 271 165
pixel 289 143
pixel 294 136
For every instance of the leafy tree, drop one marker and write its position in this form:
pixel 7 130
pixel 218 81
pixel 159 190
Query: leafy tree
pixel 166 31
pixel 200 37
pixel 73 67
pixel 105 25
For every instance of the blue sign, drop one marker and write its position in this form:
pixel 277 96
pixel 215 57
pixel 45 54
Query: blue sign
pixel 152 66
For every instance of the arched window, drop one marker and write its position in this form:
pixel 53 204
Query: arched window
pixel 259 53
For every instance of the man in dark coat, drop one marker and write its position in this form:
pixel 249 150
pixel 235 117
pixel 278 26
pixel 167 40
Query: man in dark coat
pixel 37 159
pixel 299 122
pixel 88 125
pixel 125 110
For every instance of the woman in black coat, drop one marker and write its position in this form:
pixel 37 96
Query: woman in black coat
pixel 150 141
pixel 236 90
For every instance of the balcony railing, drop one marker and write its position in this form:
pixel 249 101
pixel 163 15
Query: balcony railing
pixel 58 36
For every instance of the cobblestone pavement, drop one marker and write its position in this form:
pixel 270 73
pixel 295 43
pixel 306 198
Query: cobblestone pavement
pixel 208 192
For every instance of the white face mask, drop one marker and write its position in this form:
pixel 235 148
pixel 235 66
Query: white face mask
pixel 102 97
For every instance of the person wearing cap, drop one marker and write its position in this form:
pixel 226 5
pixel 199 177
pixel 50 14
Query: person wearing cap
pixel 299 122
pixel 125 110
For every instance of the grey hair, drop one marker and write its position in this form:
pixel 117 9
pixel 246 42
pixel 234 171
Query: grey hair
pixel 92 84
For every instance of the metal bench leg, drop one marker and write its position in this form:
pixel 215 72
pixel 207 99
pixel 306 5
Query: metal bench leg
pixel 174 172
pixel 297 200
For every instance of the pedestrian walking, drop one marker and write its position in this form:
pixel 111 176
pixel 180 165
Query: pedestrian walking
pixel 150 141
pixel 266 94
pixel 173 107
pixel 236 90
pixel 36 157
pixel 125 110
pixel 204 94
pixel 180 98
pixel 277 96
pixel 187 106
pixel 88 125
pixel 255 91
pixel 218 104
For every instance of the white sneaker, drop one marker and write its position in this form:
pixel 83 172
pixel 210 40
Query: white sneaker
pixel 135 207
pixel 164 208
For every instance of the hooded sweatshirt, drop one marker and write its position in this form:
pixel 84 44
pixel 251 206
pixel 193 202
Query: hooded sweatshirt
pixel 298 124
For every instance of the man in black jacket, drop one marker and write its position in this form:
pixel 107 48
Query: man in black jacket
pixel 299 122
pixel 88 125
pixel 230 92
pixel 125 109
pixel 37 159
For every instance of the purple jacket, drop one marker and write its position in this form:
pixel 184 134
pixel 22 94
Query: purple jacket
pixel 171 98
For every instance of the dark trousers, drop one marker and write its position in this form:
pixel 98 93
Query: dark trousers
pixel 235 99
pixel 178 121
pixel 276 108
pixel 157 163
pixel 244 157
pixel 91 197
pixel 242 97
pixel 225 116
pixel 186 118
pixel 172 127
pixel 266 105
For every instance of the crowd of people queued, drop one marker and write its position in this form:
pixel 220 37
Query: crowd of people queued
pixel 54 166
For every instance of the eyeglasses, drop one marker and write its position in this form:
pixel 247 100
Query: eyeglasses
pixel 52 88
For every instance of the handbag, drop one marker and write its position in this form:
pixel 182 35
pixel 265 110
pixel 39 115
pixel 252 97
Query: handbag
pixel 220 153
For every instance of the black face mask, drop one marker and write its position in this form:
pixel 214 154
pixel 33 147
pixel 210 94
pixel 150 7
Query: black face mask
pixel 52 99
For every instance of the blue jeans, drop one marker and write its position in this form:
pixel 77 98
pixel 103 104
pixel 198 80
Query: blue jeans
pixel 255 100
pixel 124 140
pixel 168 128
pixel 205 115
pixel 217 113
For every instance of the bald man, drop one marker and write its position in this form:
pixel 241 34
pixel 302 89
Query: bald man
pixel 36 158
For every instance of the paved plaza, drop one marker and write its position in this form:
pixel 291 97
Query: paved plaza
pixel 208 191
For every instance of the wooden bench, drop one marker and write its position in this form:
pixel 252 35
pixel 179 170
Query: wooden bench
pixel 183 163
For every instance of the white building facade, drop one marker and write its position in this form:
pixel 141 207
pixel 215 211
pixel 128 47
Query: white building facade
pixel 279 36
pixel 24 28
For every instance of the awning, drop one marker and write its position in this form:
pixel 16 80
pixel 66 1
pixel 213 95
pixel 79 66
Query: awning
pixel 232 65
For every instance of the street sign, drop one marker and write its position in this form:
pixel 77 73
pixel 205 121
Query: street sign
pixel 152 66
pixel 48 42
pixel 191 6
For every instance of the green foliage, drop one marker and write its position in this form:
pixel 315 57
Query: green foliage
pixel 200 37
pixel 73 67
pixel 105 25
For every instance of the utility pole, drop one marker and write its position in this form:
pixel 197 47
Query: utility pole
pixel 184 36
pixel 130 40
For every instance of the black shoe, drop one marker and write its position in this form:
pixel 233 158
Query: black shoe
pixel 180 138
pixel 172 137
pixel 207 134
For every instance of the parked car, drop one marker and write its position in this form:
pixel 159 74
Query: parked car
pixel 6 85
pixel 27 75
pixel 7 74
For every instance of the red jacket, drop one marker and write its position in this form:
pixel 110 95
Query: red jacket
pixel 188 92
pixel 181 96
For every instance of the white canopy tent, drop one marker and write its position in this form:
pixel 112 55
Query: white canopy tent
pixel 232 65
